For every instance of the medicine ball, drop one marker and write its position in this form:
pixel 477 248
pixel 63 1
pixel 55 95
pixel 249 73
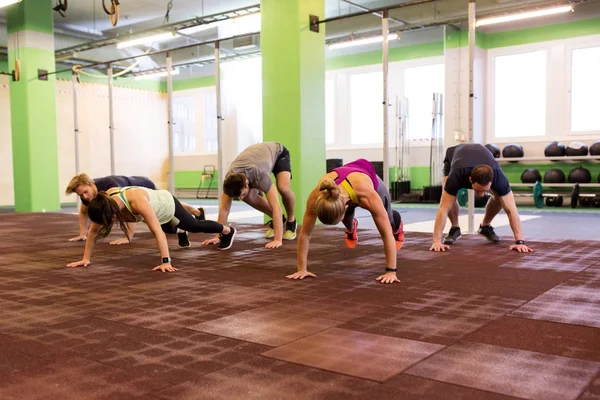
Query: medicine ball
pixel 512 151
pixel 555 149
pixel 554 175
pixel 595 148
pixel 580 175
pixel 576 149
pixel 495 150
pixel 531 175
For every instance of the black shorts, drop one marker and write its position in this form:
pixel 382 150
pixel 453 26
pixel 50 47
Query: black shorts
pixel 283 163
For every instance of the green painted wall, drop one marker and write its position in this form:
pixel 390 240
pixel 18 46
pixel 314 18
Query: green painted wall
pixel 192 179
pixel 543 33
pixel 34 135
pixel 193 83
pixel 293 72
pixel 396 54
pixel 31 15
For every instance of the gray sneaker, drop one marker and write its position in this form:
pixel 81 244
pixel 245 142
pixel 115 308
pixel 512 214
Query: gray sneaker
pixel 453 235
pixel 488 233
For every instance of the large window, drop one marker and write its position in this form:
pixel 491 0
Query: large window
pixel 585 89
pixel 420 83
pixel 329 111
pixel 366 110
pixel 184 135
pixel 520 95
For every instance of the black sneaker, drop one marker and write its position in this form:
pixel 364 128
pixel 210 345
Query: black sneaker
pixel 488 233
pixel 202 216
pixel 226 240
pixel 183 239
pixel 453 235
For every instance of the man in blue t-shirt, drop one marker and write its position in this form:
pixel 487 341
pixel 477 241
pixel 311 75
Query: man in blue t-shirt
pixel 472 166
pixel 87 189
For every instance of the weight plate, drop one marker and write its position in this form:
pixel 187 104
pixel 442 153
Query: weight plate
pixel 575 196
pixel 463 197
pixel 538 195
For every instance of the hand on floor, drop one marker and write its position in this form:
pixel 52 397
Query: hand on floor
pixel 119 241
pixel 274 244
pixel 521 248
pixel 165 268
pixel 82 263
pixel 78 239
pixel 301 275
pixel 389 277
pixel 215 241
pixel 439 247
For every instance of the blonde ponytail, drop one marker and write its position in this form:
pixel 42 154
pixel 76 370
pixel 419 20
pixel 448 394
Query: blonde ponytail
pixel 330 206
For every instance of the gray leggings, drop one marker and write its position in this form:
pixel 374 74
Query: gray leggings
pixel 384 194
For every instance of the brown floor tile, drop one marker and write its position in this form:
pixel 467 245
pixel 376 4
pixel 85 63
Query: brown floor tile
pixel 272 328
pixel 470 306
pixel 416 325
pixel 543 337
pixel 508 371
pixel 363 355
pixel 548 308
pixel 266 378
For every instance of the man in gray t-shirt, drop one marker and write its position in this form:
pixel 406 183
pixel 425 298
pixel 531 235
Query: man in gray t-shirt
pixel 249 176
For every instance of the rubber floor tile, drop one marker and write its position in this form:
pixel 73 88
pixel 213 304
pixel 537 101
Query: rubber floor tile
pixel 508 371
pixel 565 340
pixel 363 355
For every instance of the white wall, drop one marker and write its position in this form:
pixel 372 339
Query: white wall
pixel 141 139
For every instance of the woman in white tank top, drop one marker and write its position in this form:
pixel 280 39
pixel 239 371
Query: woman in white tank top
pixel 158 209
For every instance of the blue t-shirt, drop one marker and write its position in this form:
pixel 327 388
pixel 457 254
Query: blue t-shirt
pixel 111 181
pixel 463 158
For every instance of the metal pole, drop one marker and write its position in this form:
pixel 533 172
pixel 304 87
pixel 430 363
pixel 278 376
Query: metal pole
pixel 386 162
pixel 471 66
pixel 171 175
pixel 75 124
pixel 219 119
pixel 111 125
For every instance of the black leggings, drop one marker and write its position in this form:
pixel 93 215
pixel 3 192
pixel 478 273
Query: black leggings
pixel 189 223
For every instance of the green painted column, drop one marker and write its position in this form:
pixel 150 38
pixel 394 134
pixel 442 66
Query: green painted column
pixel 30 29
pixel 293 76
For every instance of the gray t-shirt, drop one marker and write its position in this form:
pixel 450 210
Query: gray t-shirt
pixel 257 162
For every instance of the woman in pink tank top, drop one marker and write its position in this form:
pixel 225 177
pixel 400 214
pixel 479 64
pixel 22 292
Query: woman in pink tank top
pixel 334 200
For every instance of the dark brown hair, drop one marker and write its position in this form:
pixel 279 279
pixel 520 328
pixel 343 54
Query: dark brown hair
pixel 103 210
pixel 482 174
pixel 233 184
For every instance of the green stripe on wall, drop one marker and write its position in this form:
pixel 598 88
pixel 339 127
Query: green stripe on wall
pixel 193 83
pixel 461 38
pixel 513 171
pixel 191 180
pixel 410 52
pixel 543 33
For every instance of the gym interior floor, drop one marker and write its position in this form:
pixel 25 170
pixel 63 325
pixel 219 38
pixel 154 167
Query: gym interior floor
pixel 476 322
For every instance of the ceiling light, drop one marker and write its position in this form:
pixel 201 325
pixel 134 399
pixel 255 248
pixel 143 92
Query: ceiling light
pixel 148 40
pixel 4 3
pixel 360 42
pixel 156 74
pixel 524 15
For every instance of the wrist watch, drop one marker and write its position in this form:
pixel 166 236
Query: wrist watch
pixel 166 260
pixel 519 242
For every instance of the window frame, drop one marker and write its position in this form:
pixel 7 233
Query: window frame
pixel 584 43
pixel 490 96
